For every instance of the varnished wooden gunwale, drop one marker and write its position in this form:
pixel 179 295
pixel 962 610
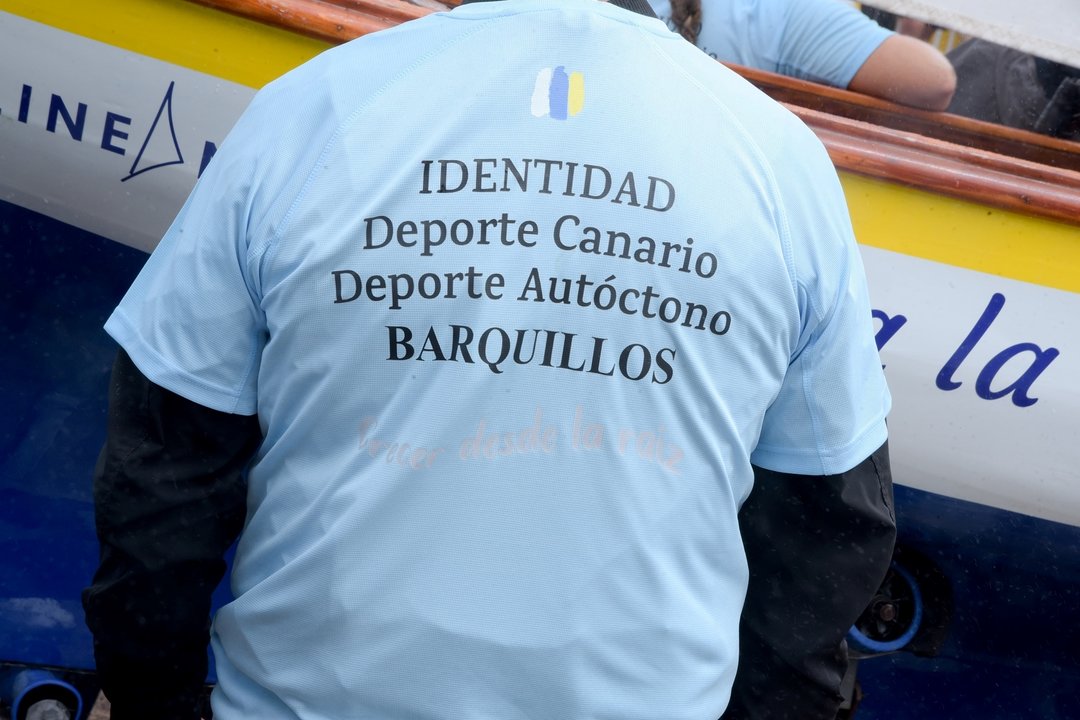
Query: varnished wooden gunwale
pixel 334 21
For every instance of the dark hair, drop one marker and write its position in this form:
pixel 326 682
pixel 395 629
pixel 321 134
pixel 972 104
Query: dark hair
pixel 1051 74
pixel 686 17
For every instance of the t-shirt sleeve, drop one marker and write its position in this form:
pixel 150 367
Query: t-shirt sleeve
pixel 192 321
pixel 826 41
pixel 829 414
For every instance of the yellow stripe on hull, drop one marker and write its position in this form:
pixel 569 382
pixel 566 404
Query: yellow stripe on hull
pixel 964 234
pixel 180 33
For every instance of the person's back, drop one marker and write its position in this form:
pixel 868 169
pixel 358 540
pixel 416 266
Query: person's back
pixel 512 350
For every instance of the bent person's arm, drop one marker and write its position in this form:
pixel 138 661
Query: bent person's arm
pixel 907 71
pixel 170 499
pixel 817 548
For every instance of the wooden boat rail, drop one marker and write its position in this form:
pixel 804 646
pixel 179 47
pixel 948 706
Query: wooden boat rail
pixel 970 174
pixel 958 157
pixel 334 21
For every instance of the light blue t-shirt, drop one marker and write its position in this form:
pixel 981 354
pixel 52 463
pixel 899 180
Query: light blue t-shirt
pixel 512 351
pixel 824 41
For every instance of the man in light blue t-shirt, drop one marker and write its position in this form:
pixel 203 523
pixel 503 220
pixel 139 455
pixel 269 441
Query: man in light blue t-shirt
pixel 484 366
pixel 824 41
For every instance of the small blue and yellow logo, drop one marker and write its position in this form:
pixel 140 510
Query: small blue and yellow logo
pixel 558 94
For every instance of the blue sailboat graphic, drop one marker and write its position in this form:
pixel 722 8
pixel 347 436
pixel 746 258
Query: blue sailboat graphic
pixel 164 110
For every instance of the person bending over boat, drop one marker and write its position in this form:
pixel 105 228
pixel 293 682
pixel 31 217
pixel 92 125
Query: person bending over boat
pixel 824 41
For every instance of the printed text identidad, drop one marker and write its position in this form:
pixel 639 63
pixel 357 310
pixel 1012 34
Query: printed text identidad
pixel 496 347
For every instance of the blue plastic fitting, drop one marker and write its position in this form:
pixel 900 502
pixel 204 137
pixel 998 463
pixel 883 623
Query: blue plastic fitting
pixel 22 688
